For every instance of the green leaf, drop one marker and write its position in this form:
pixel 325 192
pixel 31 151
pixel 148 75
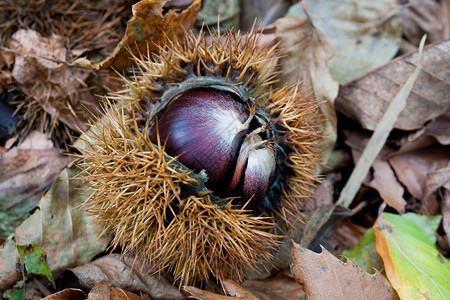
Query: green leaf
pixel 413 265
pixel 16 293
pixel 427 224
pixel 364 254
pixel 34 259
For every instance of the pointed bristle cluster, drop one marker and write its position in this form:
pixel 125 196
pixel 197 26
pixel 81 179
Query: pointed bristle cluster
pixel 206 239
pixel 300 118
pixel 240 59
pixel 137 193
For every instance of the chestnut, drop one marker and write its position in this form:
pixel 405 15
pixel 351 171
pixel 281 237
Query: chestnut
pixel 209 129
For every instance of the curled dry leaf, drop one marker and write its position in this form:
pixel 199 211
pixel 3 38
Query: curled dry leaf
pixel 306 53
pixel 232 289
pixel 421 17
pixel 63 231
pixel 323 276
pixel 364 34
pixel 27 170
pixel 125 273
pixel 385 182
pixel 365 100
pixel 59 89
pixel 106 291
pixel 422 171
pixel 413 265
pixel 147 28
pixel 281 287
pixel 67 294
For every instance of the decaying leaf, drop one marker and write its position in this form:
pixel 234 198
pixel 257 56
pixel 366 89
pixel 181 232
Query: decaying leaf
pixel 422 171
pixel 27 170
pixel 307 52
pixel 365 100
pixel 147 28
pixel 323 276
pixel 63 231
pixel 386 184
pixel 34 260
pixel 262 13
pixel 125 273
pixel 421 17
pixel 106 291
pixel 379 136
pixel 232 289
pixel 280 287
pixel 364 34
pixel 60 90
pixel 67 294
pixel 413 265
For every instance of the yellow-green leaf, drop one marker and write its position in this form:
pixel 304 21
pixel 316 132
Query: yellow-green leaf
pixel 413 265
pixel 35 261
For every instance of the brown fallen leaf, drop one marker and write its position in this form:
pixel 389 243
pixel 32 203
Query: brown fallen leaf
pixel 106 291
pixel 127 274
pixel 147 28
pixel 421 17
pixel 67 294
pixel 281 287
pixel 27 170
pixel 385 182
pixel 412 169
pixel 232 289
pixel 306 53
pixel 367 98
pixel 263 13
pixel 323 276
pixel 60 90
pixel 66 234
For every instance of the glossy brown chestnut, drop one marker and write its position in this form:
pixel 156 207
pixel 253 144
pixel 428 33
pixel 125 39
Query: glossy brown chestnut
pixel 210 130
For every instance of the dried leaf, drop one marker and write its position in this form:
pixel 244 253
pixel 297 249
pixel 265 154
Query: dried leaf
pixel 413 264
pixel 27 170
pixel 421 17
pixel 55 86
pixel 263 13
pixel 323 276
pixel 106 291
pixel 306 54
pixel 379 137
pixel 222 12
pixel 67 294
pixel 147 28
pixel 63 231
pixel 364 254
pixel 281 287
pixel 388 187
pixel 364 35
pixel 195 293
pixel 127 274
pixel 231 288
pixel 366 99
pixel 420 171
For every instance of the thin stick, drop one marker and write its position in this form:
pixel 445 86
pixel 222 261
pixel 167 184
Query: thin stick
pixel 379 136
